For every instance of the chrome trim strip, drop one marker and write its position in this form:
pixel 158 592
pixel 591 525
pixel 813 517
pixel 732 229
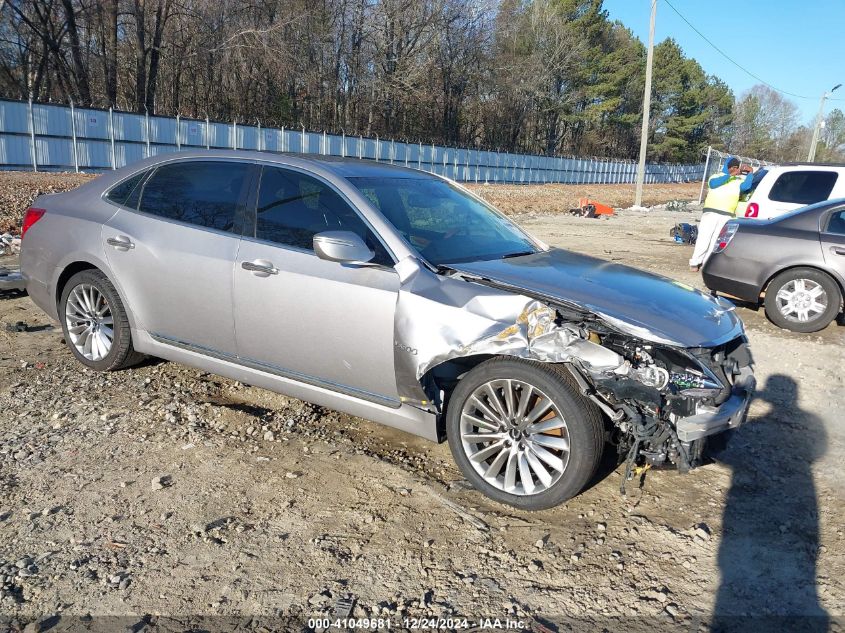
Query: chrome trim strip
pixel 278 371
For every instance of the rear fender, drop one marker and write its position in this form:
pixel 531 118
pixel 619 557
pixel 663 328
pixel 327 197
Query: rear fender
pixel 100 264
pixel 840 282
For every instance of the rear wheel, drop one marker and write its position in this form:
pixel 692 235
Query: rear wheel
pixel 522 434
pixel 94 322
pixel 802 300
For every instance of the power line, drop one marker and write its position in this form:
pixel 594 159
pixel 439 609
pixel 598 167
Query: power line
pixel 734 62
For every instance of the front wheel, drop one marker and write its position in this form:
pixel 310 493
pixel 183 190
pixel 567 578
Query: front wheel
pixel 802 300
pixel 522 434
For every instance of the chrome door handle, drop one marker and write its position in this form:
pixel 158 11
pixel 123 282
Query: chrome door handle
pixel 260 267
pixel 838 250
pixel 120 241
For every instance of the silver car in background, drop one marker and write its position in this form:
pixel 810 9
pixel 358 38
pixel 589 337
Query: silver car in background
pixel 393 295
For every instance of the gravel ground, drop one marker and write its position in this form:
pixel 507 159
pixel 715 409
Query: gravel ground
pixel 162 493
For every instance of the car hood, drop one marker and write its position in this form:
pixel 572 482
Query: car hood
pixel 643 304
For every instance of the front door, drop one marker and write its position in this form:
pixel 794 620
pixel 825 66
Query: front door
pixel 173 254
pixel 306 318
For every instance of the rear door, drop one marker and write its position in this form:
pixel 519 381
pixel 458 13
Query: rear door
pixel 796 188
pixel 833 241
pixel 302 317
pixel 173 254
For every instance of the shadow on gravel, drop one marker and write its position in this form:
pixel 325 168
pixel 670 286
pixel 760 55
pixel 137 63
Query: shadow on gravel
pixel 149 361
pixel 610 461
pixel 244 407
pixel 770 540
pixel 748 305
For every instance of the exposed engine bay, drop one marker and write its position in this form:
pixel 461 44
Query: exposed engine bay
pixel 658 388
pixel 661 400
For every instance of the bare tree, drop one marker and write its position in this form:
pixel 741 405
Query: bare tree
pixel 552 76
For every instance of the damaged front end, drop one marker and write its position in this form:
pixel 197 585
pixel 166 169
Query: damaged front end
pixel 664 401
pixel 661 399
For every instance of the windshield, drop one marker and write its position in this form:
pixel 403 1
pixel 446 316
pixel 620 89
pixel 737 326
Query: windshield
pixel 442 222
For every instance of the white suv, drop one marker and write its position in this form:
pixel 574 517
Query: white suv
pixel 783 188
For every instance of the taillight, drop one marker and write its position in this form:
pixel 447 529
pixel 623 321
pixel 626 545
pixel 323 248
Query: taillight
pixel 31 216
pixel 752 210
pixel 725 236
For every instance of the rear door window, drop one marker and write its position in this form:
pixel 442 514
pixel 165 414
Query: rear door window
pixel 803 187
pixel 203 193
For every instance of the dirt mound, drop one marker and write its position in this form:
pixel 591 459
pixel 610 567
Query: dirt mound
pixel 19 188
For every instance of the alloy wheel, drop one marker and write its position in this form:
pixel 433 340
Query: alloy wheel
pixel 514 437
pixel 90 323
pixel 801 300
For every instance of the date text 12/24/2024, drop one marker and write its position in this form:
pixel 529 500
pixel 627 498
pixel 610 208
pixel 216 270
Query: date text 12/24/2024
pixel 445 624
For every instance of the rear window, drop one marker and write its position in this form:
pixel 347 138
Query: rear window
pixel 803 187
pixel 203 193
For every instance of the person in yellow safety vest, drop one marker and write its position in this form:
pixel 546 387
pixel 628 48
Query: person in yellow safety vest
pixel 719 207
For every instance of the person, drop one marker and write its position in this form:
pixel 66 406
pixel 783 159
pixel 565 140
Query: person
pixel 719 207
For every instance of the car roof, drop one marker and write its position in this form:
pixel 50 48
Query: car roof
pixel 805 165
pixel 340 166
pixel 326 166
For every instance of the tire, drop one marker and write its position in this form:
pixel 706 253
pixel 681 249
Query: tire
pixel 109 315
pixel 504 480
pixel 798 315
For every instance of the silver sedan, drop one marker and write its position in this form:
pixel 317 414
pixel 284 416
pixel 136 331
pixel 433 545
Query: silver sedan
pixel 397 296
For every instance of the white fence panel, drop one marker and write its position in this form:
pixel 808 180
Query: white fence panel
pixel 59 137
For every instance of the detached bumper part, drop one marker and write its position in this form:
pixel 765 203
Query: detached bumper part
pixel 11 280
pixel 711 420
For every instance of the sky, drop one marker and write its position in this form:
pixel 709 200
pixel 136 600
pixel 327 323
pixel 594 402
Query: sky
pixel 797 46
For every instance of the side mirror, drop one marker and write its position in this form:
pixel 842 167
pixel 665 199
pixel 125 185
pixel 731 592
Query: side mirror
pixel 345 247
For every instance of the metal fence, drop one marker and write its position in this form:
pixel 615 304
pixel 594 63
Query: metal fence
pixel 52 137
pixel 715 161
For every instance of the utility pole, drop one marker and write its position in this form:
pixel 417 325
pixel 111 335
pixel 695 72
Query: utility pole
pixel 818 128
pixel 638 198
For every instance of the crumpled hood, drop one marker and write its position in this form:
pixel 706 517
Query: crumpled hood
pixel 650 306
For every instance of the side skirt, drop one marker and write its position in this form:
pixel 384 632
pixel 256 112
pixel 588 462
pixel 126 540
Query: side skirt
pixel 402 417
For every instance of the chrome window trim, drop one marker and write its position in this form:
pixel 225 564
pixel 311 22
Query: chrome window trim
pixel 153 168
